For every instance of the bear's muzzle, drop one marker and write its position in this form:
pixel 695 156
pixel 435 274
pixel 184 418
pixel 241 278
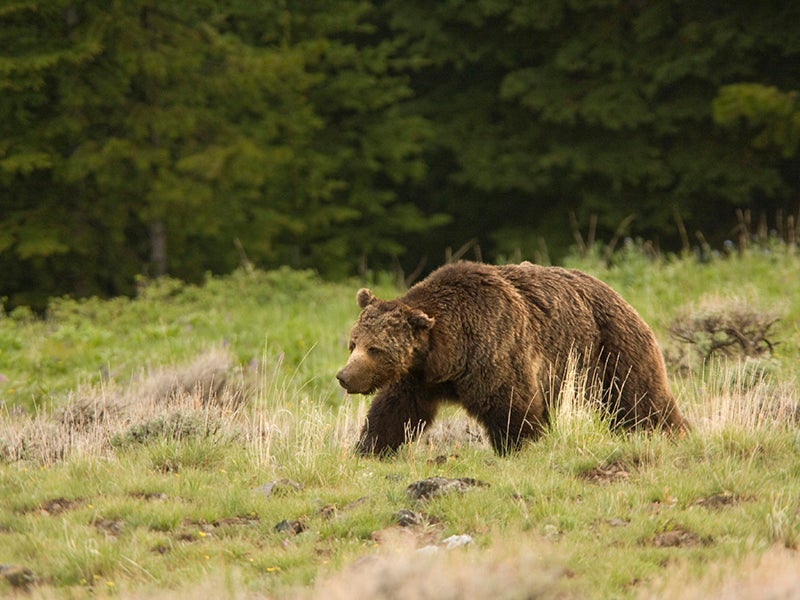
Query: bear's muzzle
pixel 357 375
pixel 353 384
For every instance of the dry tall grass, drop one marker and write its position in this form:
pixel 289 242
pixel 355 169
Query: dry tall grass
pixel 775 575
pixel 434 574
pixel 739 395
pixel 208 390
pixel 276 418
pixel 272 413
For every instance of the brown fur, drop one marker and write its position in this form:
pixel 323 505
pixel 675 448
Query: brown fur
pixel 497 341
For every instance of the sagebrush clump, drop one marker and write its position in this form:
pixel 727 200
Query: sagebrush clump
pixel 727 327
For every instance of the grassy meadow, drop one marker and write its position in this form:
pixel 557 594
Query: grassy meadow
pixel 193 440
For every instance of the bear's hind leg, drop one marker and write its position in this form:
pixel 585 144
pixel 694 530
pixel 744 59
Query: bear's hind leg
pixel 509 421
pixel 641 402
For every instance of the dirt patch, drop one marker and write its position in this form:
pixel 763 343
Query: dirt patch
pixel 17 576
pixel 604 474
pixel 331 511
pixel 411 530
pixel 149 496
pixel 657 506
pixel 675 538
pixel 245 520
pixel 413 537
pixel 353 504
pixel 193 530
pixel 616 522
pixel 442 459
pixel 294 527
pixel 56 506
pixel 279 487
pixel 718 501
pixel 436 486
pixel 110 527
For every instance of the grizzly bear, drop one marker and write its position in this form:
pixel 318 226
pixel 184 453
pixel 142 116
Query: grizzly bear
pixel 499 341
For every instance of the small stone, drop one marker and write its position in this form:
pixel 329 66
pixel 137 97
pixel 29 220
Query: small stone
pixel 617 522
pixel 292 527
pixel 328 511
pixel 355 503
pixel 551 532
pixel 717 500
pixel 109 526
pixel 457 541
pixel 676 538
pixel 435 486
pixel 17 576
pixel 279 487
pixel 408 518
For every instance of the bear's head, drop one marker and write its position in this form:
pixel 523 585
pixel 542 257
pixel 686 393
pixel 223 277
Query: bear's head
pixel 387 341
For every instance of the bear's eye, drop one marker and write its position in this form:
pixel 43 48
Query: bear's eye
pixel 373 351
pixel 351 346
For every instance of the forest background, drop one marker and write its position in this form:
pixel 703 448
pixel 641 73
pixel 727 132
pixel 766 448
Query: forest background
pixel 146 138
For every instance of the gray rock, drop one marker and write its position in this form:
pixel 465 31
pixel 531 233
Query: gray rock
pixel 279 487
pixel 408 518
pixel 17 576
pixel 436 486
pixel 291 527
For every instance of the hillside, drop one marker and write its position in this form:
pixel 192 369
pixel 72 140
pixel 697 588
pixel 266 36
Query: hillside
pixel 193 440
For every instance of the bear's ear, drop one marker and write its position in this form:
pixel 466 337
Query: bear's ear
pixel 365 297
pixel 419 320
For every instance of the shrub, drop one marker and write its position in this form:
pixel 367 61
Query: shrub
pixel 726 326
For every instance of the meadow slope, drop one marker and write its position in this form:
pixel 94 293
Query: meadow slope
pixel 193 441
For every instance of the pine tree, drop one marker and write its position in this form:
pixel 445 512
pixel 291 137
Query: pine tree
pixel 543 108
pixel 146 138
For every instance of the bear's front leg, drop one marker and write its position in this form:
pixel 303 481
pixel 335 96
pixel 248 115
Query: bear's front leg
pixel 397 414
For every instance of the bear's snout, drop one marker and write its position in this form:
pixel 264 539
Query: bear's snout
pixel 343 381
pixel 356 376
pixel 351 382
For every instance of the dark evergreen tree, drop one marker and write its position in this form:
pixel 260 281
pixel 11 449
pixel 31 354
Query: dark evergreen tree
pixel 145 138
pixel 542 108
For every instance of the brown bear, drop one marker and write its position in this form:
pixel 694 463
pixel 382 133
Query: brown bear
pixel 499 341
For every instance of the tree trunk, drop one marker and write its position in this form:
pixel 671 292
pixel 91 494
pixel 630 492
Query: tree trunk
pixel 158 248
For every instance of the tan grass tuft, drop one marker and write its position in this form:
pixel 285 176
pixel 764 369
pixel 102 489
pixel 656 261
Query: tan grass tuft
pixel 736 395
pixel 209 377
pixel 775 574
pixel 436 574
pixel 206 389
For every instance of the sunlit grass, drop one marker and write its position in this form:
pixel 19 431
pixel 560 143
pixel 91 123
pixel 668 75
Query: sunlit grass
pixel 159 483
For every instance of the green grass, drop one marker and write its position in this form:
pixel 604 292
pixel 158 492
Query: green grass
pixel 136 438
